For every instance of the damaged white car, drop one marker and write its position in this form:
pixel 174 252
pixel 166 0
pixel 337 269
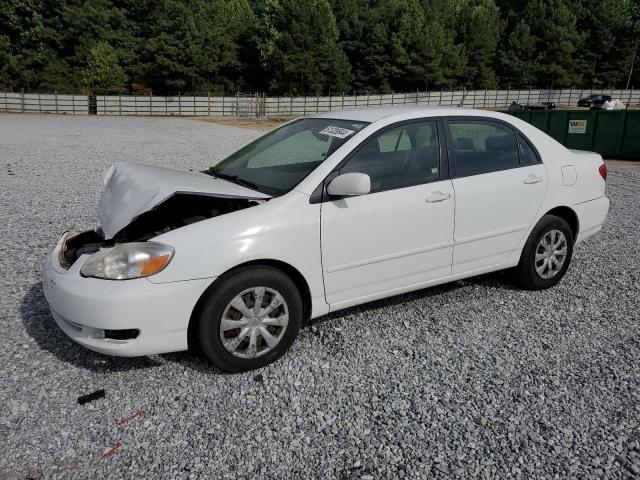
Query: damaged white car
pixel 320 214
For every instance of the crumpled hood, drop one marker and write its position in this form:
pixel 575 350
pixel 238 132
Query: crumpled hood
pixel 131 190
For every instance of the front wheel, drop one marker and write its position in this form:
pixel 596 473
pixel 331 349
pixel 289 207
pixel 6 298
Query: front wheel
pixel 546 254
pixel 249 319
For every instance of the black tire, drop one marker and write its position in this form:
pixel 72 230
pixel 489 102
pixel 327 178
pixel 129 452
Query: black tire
pixel 525 273
pixel 211 308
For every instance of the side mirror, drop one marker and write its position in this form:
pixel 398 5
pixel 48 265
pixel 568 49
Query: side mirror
pixel 349 185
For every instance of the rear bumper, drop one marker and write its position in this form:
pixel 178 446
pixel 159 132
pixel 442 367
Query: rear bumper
pixel 84 307
pixel 591 216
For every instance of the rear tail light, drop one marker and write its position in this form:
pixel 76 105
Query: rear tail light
pixel 603 171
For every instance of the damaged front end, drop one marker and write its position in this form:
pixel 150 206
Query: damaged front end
pixel 179 210
pixel 140 202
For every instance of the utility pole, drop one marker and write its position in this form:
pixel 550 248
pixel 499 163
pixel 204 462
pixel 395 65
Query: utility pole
pixel 633 60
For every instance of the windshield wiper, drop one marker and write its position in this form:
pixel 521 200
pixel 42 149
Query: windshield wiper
pixel 238 180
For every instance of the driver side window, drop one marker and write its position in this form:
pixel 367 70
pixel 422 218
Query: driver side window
pixel 401 157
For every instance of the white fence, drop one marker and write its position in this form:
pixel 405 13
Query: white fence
pixel 259 105
pixel 44 103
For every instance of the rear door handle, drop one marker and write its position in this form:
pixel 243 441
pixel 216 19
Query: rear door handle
pixel 438 197
pixel 532 179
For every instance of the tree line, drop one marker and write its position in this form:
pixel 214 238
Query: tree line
pixel 306 47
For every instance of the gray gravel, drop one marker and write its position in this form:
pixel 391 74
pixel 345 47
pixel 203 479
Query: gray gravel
pixel 472 379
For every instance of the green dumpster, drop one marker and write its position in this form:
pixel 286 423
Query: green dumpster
pixel 613 133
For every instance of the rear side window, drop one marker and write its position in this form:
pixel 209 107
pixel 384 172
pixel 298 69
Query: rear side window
pixel 482 147
pixel 401 157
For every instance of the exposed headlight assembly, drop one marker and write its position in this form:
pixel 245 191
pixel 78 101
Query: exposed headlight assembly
pixel 128 260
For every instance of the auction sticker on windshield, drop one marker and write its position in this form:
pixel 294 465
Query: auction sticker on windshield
pixel 336 132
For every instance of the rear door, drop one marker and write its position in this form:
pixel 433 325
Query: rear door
pixel 400 234
pixel 499 185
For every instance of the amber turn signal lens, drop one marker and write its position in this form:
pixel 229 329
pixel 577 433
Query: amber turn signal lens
pixel 153 265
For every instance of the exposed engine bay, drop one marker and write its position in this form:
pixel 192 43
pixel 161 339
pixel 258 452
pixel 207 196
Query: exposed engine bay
pixel 179 210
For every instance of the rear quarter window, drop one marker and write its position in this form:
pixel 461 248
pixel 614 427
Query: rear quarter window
pixel 527 154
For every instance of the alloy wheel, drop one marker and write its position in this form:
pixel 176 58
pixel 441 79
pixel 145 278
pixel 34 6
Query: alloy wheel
pixel 551 254
pixel 254 322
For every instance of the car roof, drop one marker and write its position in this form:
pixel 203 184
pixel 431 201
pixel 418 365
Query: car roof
pixel 374 114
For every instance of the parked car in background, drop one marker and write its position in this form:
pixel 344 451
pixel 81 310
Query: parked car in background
pixel 320 214
pixel 594 100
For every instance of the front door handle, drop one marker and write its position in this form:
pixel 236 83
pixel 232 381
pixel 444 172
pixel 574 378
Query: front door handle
pixel 532 179
pixel 438 197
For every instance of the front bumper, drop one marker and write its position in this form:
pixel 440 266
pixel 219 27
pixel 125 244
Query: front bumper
pixel 83 307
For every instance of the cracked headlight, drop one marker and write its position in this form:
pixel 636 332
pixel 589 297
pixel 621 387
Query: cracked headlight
pixel 128 260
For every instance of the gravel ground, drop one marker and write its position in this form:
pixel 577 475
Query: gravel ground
pixel 472 379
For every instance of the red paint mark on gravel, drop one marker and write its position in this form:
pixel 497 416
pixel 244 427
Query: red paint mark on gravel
pixel 111 451
pixel 124 421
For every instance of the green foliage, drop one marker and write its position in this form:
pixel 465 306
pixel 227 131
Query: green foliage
pixel 313 46
pixel 299 47
pixel 193 45
pixel 103 73
pixel 479 35
pixel 7 62
pixel 543 39
pixel 611 35
pixel 517 57
pixel 398 45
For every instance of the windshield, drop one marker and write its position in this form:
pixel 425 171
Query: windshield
pixel 279 160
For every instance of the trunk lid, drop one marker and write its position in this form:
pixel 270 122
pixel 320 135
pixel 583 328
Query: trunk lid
pixel 131 190
pixel 581 152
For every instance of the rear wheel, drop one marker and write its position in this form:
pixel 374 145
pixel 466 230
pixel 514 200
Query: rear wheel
pixel 546 254
pixel 249 319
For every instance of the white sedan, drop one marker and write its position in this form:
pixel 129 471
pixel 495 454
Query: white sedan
pixel 320 214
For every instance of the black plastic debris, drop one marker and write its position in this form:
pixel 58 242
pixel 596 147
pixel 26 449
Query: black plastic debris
pixel 91 397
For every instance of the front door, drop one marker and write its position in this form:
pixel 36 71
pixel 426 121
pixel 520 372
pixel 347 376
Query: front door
pixel 400 234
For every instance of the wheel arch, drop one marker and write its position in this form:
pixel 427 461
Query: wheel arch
pixel 292 272
pixel 568 215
